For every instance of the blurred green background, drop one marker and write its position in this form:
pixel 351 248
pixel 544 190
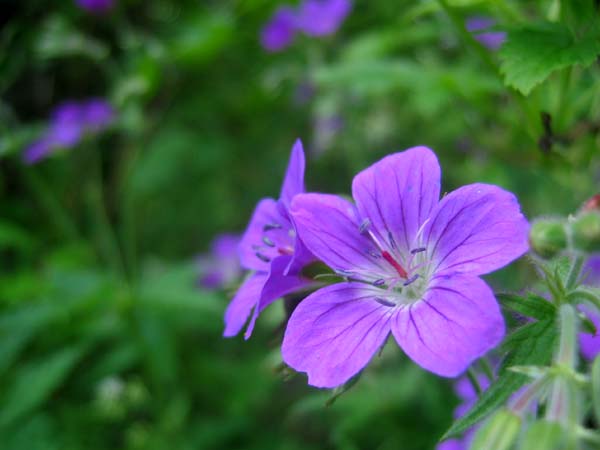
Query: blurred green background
pixel 105 339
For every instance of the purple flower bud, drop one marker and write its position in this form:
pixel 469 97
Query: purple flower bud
pixel 97 114
pixel 96 6
pixel 493 40
pixel 280 31
pixel 322 17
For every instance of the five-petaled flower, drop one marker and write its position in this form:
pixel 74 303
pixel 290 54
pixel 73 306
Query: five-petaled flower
pixel 411 264
pixel 270 248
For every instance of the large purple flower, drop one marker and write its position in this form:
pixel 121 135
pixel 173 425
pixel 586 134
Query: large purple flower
pixel 270 248
pixel 412 264
pixel 69 123
pixel 222 266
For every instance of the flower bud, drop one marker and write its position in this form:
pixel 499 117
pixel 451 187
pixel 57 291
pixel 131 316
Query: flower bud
pixel 586 231
pixel 499 433
pixel 548 237
pixel 543 435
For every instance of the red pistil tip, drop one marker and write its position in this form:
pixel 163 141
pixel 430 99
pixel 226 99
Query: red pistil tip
pixel 394 264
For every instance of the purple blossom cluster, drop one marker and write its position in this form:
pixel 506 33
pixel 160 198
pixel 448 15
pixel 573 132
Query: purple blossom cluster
pixel 70 122
pixel 409 265
pixel 314 18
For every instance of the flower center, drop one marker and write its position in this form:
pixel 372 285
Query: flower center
pixel 275 241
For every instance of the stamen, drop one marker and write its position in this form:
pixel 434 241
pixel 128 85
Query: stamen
pixel 384 302
pixel 379 282
pixel 271 226
pixel 418 250
pixel 285 250
pixel 391 239
pixel 411 280
pixel 364 225
pixel 394 264
pixel 374 254
pixel 262 257
pixel 268 241
pixel 344 273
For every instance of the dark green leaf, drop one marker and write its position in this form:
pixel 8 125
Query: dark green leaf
pixel 530 305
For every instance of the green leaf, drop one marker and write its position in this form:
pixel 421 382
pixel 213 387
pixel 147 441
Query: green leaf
pixel 531 54
pixel 530 305
pixel 34 383
pixel 543 435
pixel 532 344
pixel 499 433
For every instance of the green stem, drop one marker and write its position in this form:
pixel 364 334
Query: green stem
pixel 62 222
pixel 574 272
pixel 473 379
pixel 487 369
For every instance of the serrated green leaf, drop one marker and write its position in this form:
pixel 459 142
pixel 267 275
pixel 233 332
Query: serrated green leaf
pixel 530 305
pixel 531 54
pixel 532 344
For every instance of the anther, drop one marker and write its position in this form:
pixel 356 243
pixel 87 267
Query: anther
pixel 262 257
pixel 268 241
pixel 379 282
pixel 391 239
pixel 271 226
pixel 384 302
pixel 417 250
pixel 364 225
pixel 410 280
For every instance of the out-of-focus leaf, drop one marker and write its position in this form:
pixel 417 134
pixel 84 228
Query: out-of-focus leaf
pixel 596 387
pixel 34 383
pixel 531 54
pixel 543 435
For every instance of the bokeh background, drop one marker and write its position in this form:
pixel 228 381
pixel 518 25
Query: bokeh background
pixel 107 337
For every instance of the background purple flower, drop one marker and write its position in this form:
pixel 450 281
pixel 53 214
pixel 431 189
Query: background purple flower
pixel 589 343
pixel 96 6
pixel 280 30
pixel 270 248
pixel 412 262
pixel 491 39
pixel 222 266
pixel 70 121
pixel 322 17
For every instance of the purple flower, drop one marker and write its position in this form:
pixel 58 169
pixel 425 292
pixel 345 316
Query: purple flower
pixel 69 122
pixel 96 6
pixel 491 39
pixel 280 31
pixel 322 17
pixel 590 344
pixel 269 247
pixel 412 264
pixel 222 266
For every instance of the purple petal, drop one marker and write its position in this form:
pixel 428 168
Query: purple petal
pixel 240 307
pixel 37 151
pixel 451 444
pixel 477 229
pixel 322 17
pixel 456 322
pixel 267 236
pixel 328 226
pixel 225 246
pixel 276 286
pixel 280 31
pixel 293 182
pixel 590 343
pixel 478 23
pixel 334 332
pixel 97 114
pixel 591 271
pixel 398 193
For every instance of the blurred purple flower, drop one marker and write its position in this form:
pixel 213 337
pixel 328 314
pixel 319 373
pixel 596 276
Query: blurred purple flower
pixel 326 128
pixel 69 122
pixel 271 249
pixel 96 6
pixel 279 32
pixel 322 17
pixel 313 17
pixel 477 25
pixel 589 343
pixel 222 266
